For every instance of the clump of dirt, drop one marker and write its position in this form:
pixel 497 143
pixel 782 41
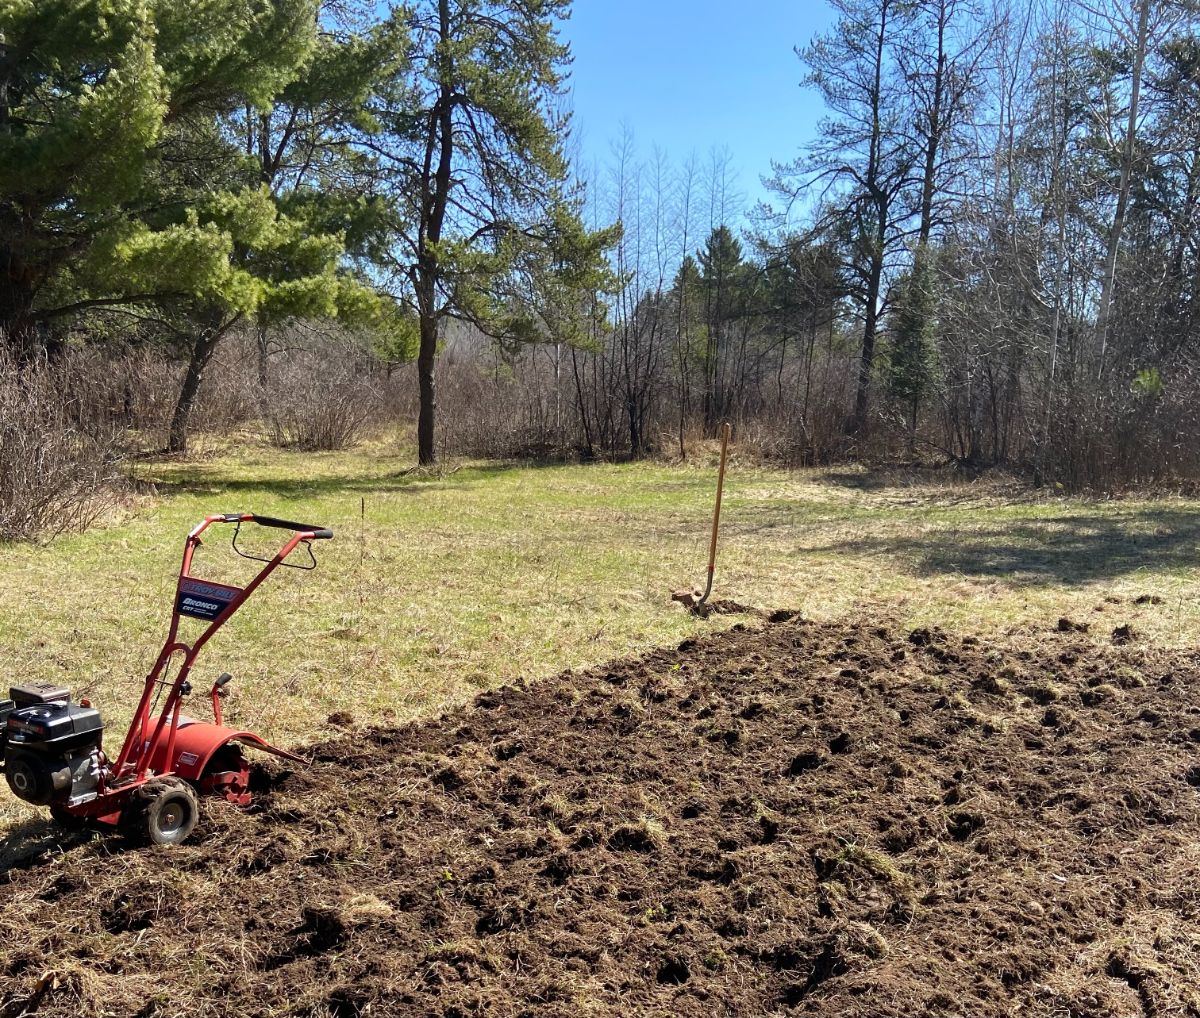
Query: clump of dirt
pixel 1123 635
pixel 1065 625
pixel 693 601
pixel 799 819
pixel 723 606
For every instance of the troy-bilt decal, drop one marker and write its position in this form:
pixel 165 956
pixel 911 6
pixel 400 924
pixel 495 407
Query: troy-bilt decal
pixel 203 599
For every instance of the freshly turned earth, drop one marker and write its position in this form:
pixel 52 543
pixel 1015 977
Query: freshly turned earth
pixel 798 819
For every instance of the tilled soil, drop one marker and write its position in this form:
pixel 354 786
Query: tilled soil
pixel 797 819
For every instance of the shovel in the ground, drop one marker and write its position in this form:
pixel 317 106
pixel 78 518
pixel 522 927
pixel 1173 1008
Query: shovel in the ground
pixel 691 598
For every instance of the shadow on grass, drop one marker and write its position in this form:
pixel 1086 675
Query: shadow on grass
pixel 413 482
pixel 25 844
pixel 942 482
pixel 882 479
pixel 1067 549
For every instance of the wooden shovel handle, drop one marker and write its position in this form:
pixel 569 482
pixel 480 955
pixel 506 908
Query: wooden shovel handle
pixel 726 430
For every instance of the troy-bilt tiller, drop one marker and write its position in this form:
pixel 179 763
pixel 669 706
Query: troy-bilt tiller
pixel 51 747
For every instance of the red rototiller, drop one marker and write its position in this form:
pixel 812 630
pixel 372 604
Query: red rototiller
pixel 51 747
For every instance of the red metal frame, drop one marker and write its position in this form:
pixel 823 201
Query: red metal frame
pixel 150 745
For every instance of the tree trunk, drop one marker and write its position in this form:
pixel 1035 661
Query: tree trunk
pixel 5 77
pixel 207 338
pixel 263 354
pixel 426 357
pixel 581 403
pixel 1118 224
pixel 18 327
pixel 858 423
pixel 1058 203
pixel 19 331
pixel 439 149
pixel 933 142
pixel 712 382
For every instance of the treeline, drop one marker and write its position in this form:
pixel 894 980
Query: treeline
pixel 988 257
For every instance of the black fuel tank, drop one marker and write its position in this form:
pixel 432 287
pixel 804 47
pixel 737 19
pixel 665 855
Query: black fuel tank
pixel 54 727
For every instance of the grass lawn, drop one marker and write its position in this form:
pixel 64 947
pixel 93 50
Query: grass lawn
pixel 438 586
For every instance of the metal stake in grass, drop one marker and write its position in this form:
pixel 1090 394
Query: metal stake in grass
pixel 693 599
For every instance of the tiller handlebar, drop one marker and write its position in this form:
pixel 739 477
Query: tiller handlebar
pixel 208 601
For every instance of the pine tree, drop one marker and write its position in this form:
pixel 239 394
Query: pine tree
pixel 720 271
pixel 862 163
pixel 297 166
pixel 911 341
pixel 477 170
pixel 92 95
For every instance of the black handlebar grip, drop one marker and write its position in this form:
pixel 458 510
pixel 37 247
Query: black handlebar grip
pixel 319 533
pixel 222 679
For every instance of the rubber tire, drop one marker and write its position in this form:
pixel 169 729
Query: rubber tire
pixel 164 811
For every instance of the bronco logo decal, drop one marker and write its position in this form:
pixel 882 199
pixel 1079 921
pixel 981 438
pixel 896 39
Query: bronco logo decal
pixel 203 599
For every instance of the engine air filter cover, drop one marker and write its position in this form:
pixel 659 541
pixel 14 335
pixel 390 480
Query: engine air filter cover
pixel 30 693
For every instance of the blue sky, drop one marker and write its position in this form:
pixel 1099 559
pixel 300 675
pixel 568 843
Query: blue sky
pixel 691 75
